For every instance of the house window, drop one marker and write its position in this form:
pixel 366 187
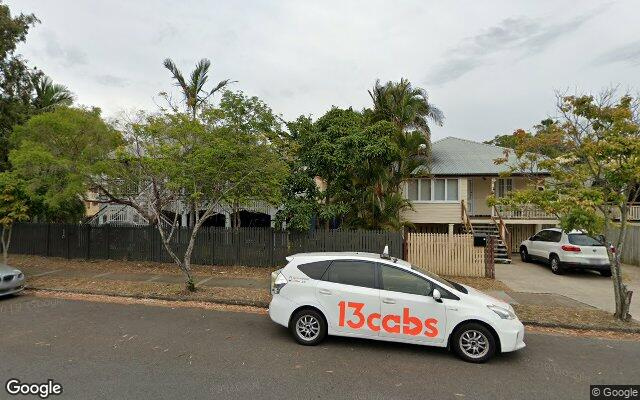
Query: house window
pixel 425 189
pixel 452 189
pixel 504 186
pixel 412 189
pixel 432 189
pixel 439 189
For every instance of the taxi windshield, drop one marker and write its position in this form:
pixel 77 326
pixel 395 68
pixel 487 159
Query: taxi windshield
pixel 446 283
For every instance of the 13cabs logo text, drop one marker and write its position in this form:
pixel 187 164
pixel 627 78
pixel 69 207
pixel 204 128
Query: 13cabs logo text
pixel 391 323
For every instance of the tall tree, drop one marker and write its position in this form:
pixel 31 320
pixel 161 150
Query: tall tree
pixel 14 207
pixel 193 91
pixel 249 116
pixel 57 153
pixel 16 87
pixel 172 161
pixel 406 106
pixel 340 172
pixel 24 91
pixel 597 176
pixel 411 111
pixel 547 143
pixel 49 95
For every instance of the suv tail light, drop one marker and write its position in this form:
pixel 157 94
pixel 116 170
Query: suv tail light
pixel 277 281
pixel 571 248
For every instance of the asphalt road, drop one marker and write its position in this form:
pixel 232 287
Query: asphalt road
pixel 113 351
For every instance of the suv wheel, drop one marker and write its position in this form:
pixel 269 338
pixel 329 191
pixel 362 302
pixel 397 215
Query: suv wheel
pixel 474 343
pixel 606 273
pixel 556 268
pixel 308 327
pixel 524 255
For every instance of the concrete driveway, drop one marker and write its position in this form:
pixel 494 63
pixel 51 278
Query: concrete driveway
pixel 584 286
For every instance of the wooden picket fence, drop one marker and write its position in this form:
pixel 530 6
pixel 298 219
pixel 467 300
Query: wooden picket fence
pixel 631 252
pixel 446 254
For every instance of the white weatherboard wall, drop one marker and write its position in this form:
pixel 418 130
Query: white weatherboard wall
pixel 438 212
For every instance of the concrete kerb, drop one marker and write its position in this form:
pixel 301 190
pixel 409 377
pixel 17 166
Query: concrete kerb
pixel 263 304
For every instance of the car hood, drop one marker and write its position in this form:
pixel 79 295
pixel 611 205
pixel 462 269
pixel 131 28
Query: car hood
pixel 485 299
pixel 5 269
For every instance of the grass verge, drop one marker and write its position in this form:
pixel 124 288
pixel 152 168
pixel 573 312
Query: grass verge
pixel 153 290
pixel 577 318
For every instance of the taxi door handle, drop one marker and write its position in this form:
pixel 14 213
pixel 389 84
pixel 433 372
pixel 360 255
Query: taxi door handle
pixel 324 291
pixel 389 301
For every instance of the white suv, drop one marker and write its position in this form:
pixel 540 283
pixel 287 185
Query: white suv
pixel 573 250
pixel 377 297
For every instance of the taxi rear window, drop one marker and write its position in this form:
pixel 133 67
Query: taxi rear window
pixel 314 270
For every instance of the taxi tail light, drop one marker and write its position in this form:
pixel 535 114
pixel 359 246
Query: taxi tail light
pixel 278 282
pixel 571 248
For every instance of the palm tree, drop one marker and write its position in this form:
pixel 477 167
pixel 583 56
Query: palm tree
pixel 193 91
pixel 50 95
pixel 407 107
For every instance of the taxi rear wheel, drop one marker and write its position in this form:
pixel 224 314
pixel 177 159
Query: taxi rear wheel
pixel 308 327
pixel 474 343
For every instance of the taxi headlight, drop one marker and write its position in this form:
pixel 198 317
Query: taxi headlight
pixel 502 312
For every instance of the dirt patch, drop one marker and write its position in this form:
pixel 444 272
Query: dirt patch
pixel 571 316
pixel 132 267
pixel 479 283
pixel 152 289
pixel 611 335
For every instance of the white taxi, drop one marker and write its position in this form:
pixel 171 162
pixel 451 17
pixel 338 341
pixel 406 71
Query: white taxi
pixel 378 297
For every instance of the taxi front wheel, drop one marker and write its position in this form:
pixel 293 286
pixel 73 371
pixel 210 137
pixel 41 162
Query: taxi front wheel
pixel 308 327
pixel 473 342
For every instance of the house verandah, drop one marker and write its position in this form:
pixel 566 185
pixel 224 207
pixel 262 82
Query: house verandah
pixel 458 204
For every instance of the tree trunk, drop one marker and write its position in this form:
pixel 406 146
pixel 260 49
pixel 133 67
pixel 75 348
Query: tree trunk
pixel 622 295
pixel 6 240
pixel 184 267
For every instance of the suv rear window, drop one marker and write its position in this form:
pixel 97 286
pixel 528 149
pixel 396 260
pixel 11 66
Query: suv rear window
pixel 580 239
pixel 314 270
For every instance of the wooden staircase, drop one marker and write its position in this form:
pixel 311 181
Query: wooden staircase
pixel 498 230
pixel 500 252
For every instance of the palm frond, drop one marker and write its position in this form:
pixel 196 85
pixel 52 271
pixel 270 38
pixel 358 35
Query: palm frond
pixel 177 75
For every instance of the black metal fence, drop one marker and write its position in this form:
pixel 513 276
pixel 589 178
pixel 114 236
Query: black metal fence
pixel 213 246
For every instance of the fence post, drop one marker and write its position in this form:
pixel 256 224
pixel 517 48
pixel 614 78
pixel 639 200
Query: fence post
pixel 150 243
pixel 108 241
pixel 212 238
pixel 88 242
pixel 489 261
pixel 48 235
pixel 66 236
pixel 236 240
pixel 271 242
pixel 405 246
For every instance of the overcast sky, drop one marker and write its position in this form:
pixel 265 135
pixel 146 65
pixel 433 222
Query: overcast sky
pixel 490 66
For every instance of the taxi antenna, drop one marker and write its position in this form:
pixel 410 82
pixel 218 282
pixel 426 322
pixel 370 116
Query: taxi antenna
pixel 385 253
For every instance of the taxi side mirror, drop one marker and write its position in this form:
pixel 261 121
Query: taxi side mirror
pixel 436 295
